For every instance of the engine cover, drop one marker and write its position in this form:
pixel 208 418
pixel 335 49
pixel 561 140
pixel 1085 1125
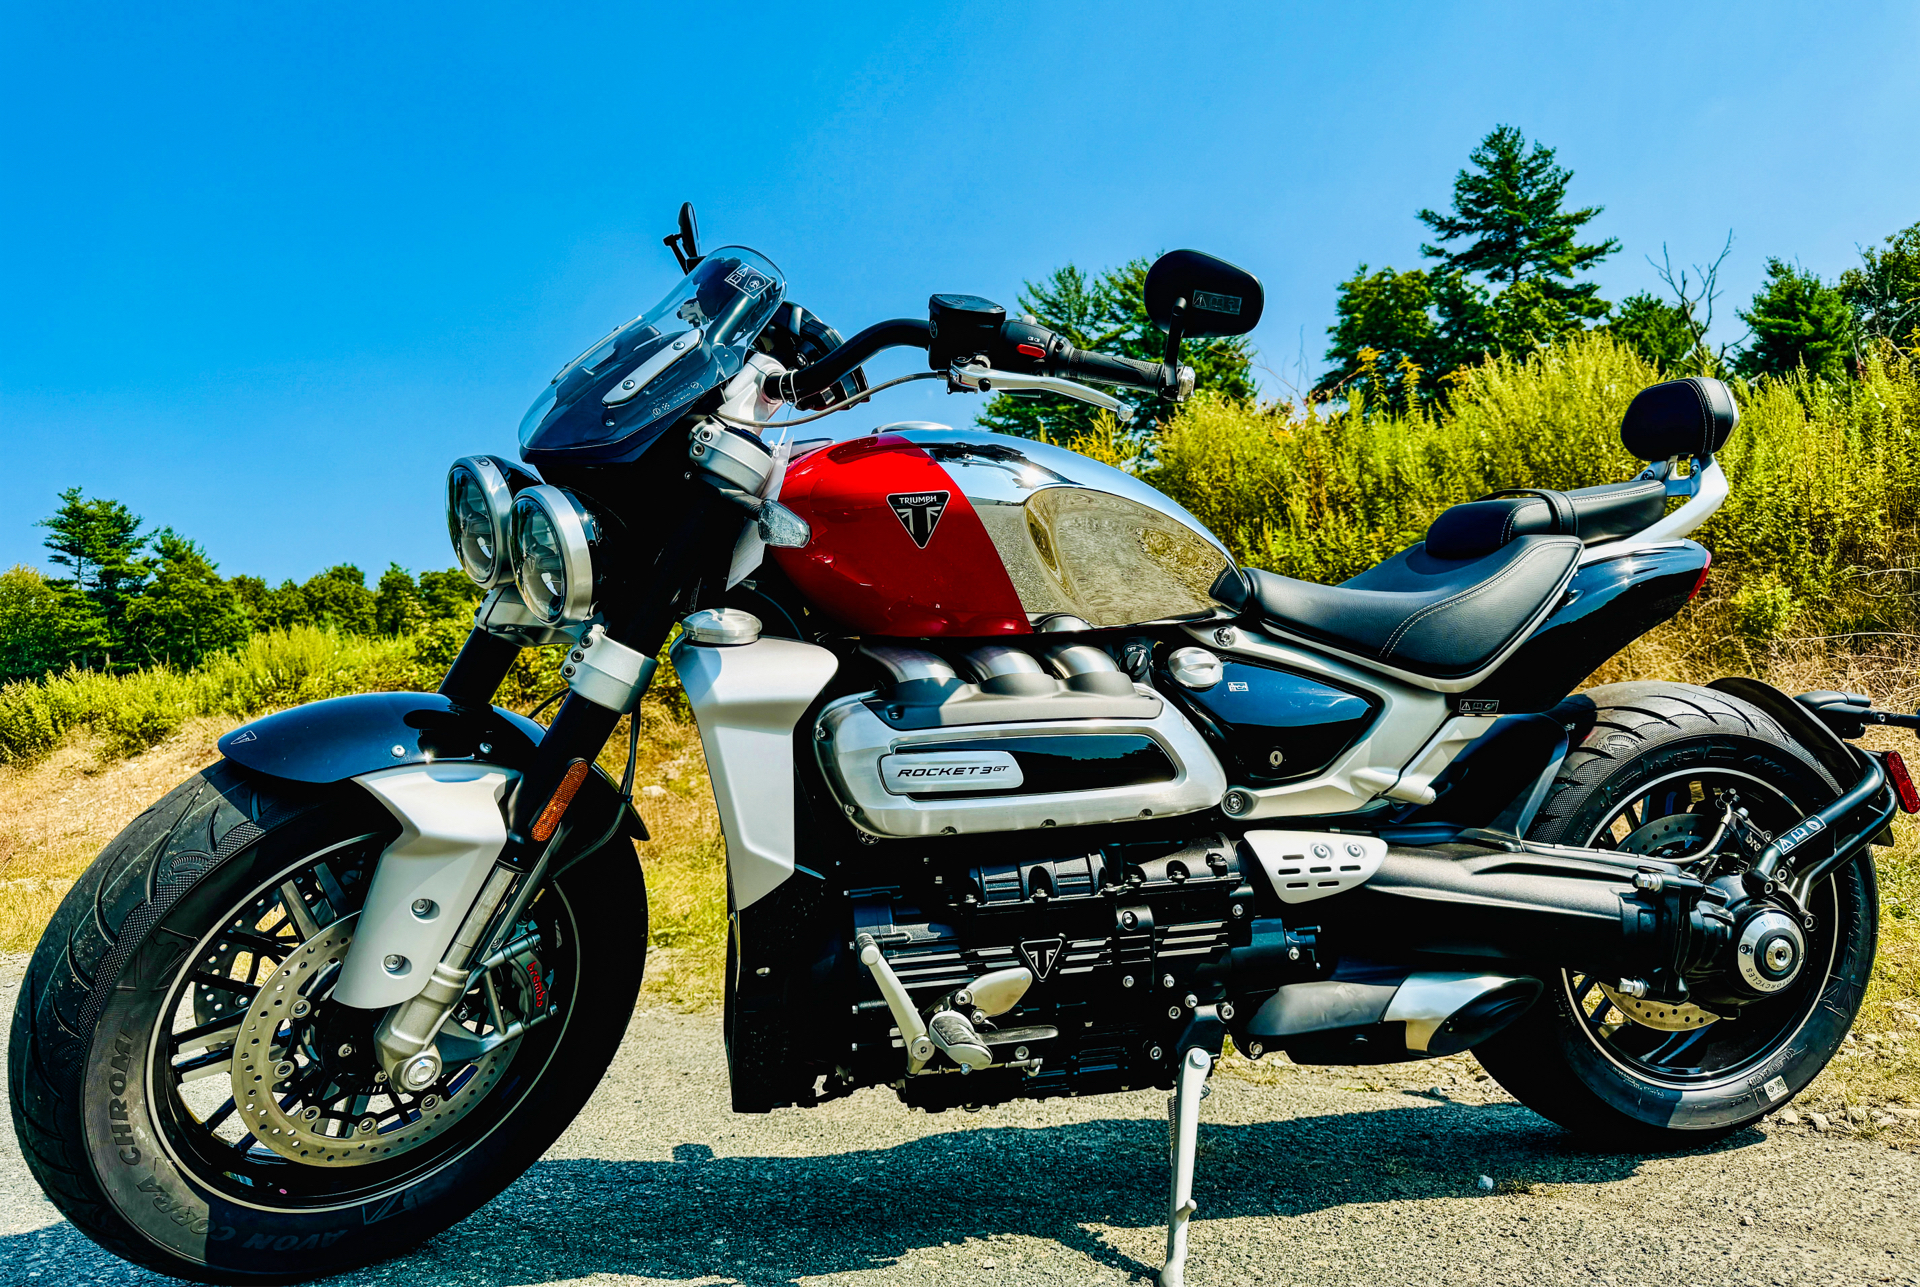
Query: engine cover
pixel 1123 942
pixel 1013 777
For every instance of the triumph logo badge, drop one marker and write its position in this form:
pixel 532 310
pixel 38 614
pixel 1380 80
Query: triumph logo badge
pixel 919 513
pixel 1041 953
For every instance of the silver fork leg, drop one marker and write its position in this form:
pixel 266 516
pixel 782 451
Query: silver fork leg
pixel 1184 1111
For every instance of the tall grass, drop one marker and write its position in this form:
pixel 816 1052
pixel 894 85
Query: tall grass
pixel 1820 537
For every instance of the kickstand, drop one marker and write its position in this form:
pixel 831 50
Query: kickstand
pixel 1199 1045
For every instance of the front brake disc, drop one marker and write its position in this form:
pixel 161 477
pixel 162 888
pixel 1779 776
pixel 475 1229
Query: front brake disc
pixel 294 1107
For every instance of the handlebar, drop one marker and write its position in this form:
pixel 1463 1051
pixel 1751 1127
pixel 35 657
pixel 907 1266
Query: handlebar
pixel 1022 347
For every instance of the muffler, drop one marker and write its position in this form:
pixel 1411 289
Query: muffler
pixel 1375 1017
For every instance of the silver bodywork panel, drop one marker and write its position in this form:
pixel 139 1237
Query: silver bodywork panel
pixel 747 700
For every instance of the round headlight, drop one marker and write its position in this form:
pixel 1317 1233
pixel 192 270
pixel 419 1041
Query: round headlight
pixel 553 538
pixel 479 519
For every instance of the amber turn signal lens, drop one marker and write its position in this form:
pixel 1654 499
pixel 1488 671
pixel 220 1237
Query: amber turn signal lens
pixel 549 819
pixel 1902 782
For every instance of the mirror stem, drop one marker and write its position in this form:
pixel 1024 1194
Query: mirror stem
pixel 1175 316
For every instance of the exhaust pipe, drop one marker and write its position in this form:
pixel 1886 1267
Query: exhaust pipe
pixel 1383 1019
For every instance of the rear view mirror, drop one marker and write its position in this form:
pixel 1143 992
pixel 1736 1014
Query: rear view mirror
pixel 1196 295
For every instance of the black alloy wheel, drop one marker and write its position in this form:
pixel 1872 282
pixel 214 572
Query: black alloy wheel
pixel 1650 768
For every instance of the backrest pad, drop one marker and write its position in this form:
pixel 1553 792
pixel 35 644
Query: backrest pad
pixel 1690 417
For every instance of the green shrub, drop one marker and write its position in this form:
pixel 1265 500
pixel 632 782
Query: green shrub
pixel 1819 535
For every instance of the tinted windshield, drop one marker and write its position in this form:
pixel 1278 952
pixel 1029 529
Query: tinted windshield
pixel 637 380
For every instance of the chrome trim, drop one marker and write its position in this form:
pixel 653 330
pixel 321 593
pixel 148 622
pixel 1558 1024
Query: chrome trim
pixel 851 741
pixel 721 627
pixel 663 357
pixel 1079 538
pixel 499 501
pixel 608 673
pixel 577 531
pixel 1305 865
pixel 1425 1001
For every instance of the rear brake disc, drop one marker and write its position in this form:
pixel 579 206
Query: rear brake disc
pixel 1674 836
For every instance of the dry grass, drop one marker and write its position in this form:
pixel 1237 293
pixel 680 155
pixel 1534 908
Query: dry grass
pixel 57 814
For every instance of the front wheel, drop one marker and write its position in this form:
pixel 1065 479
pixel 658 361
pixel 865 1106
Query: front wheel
pixel 1647 763
pixel 187 1092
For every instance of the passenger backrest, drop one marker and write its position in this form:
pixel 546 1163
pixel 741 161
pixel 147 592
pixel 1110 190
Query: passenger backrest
pixel 1690 417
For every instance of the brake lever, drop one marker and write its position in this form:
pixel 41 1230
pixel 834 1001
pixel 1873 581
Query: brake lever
pixel 973 378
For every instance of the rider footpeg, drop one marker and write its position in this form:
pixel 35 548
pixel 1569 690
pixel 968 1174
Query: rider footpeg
pixel 953 1033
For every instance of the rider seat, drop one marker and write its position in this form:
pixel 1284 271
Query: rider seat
pixel 1442 618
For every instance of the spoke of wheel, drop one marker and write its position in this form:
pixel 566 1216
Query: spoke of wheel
pixel 330 888
pixel 211 1033
pixel 224 983
pixel 262 944
pixel 296 906
pixel 216 1119
pixel 1587 985
pixel 209 1064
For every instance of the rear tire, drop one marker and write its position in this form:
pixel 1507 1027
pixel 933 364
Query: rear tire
pixel 1641 752
pixel 99 1111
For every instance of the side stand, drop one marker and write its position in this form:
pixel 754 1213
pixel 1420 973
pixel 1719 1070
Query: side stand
pixel 1199 1047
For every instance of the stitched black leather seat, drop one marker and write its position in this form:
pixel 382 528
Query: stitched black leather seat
pixel 1443 618
pixel 1604 513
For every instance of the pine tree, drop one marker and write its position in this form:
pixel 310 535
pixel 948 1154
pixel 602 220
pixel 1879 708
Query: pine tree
pixel 1658 331
pixel 1509 216
pixel 1797 321
pixel 101 542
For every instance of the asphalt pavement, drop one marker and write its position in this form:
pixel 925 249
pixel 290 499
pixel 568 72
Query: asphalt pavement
pixel 1306 1176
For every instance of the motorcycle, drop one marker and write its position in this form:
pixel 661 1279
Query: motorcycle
pixel 1028 789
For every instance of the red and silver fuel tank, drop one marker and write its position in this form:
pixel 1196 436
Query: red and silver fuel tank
pixel 924 531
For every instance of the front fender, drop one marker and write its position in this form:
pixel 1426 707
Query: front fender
pixel 446 774
pixel 345 737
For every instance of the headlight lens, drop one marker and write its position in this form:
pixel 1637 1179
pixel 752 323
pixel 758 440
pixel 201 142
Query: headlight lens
pixel 553 539
pixel 479 519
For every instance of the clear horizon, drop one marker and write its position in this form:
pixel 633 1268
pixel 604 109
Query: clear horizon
pixel 270 272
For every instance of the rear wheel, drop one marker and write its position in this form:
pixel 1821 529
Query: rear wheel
pixel 1647 764
pixel 190 1096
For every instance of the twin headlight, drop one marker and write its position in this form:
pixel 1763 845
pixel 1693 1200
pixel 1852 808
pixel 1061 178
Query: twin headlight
pixel 507 528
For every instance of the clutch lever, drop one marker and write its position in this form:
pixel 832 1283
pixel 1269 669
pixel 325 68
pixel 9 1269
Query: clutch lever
pixel 975 378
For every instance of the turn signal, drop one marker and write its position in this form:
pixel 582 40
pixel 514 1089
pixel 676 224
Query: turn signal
pixel 1902 782
pixel 549 819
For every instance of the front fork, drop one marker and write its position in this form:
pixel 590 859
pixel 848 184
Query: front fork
pixel 607 672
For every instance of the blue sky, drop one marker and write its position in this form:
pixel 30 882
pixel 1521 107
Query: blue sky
pixel 267 269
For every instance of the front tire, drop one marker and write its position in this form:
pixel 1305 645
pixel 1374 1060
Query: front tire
pixel 1649 755
pixel 118 1116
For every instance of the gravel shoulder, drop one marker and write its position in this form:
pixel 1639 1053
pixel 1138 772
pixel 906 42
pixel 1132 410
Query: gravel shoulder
pixel 1333 1176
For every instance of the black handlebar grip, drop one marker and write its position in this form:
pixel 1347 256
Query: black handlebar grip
pixel 1079 364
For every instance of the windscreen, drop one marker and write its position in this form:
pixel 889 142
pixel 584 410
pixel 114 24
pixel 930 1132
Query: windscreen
pixel 631 385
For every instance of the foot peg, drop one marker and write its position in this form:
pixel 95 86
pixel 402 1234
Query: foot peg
pixel 953 1034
